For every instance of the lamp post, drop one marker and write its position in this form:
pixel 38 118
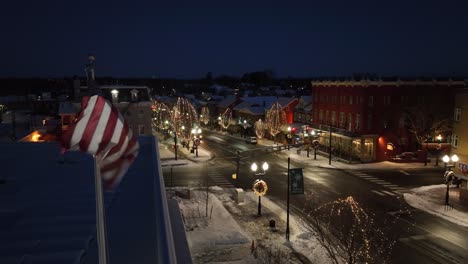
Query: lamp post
pixel 196 140
pixel 427 149
pixel 262 190
pixel 245 128
pixel 289 136
pixel 449 175
pixel 315 143
pixel 439 139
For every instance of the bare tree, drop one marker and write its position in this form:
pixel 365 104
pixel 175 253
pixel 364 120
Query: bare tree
pixel 424 125
pixel 348 233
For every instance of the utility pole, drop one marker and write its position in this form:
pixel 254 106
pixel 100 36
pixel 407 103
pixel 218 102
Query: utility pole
pixel 175 145
pixel 237 164
pixel 287 206
pixel 330 147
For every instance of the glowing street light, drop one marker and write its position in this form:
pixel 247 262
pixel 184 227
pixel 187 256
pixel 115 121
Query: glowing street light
pixel 260 187
pixel 449 175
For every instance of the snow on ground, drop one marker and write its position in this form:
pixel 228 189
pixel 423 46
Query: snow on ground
pixel 431 200
pixel 226 235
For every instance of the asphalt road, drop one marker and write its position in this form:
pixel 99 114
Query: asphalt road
pixel 421 237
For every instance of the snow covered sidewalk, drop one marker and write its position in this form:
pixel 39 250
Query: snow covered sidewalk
pixel 431 200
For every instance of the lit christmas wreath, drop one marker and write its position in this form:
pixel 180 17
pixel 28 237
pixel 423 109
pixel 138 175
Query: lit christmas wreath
pixel 260 187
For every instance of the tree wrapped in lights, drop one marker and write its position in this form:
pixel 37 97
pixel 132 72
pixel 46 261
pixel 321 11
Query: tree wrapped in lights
pixel 226 118
pixel 160 114
pixel 205 115
pixel 349 234
pixel 260 128
pixel 275 118
pixel 183 118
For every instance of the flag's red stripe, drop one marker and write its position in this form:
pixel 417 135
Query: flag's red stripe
pixel 109 131
pixel 124 155
pixel 123 136
pixel 92 124
pixel 116 169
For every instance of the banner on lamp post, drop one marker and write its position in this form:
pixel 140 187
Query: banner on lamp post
pixel 296 181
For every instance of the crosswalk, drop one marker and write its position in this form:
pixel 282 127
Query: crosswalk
pixel 217 177
pixel 389 189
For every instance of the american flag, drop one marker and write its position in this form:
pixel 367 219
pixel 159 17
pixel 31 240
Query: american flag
pixel 100 130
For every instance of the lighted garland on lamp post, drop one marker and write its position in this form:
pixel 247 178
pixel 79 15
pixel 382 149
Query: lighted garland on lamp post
pixel 259 186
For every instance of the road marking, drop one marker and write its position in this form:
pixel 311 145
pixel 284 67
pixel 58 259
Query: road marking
pixel 417 237
pixel 397 188
pixel 384 183
pixel 360 174
pixel 366 176
pixel 389 193
pixel 376 180
pixel 379 193
pixel 371 178
pixel 405 173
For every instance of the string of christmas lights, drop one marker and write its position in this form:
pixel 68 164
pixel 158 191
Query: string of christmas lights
pixel 275 118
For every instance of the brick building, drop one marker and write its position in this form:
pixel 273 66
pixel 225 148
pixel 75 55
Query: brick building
pixel 369 118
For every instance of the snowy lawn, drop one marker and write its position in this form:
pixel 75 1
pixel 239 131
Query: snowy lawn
pixel 226 235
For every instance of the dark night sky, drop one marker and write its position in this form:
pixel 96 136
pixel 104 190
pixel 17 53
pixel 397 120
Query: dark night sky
pixel 187 39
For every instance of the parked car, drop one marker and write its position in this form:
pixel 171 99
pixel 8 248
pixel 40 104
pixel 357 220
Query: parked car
pixel 251 140
pixel 406 157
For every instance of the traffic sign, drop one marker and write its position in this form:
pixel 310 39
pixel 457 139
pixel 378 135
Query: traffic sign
pixel 315 143
pixel 197 142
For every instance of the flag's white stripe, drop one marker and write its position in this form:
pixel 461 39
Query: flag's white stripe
pixel 99 132
pixel 120 152
pixel 82 124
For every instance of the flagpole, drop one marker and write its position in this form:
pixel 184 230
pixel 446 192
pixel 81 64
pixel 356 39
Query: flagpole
pixel 100 215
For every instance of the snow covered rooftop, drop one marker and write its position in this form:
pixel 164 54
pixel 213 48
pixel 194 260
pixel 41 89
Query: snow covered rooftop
pixel 48 207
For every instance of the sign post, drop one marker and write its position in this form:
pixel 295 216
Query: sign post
pixel 295 186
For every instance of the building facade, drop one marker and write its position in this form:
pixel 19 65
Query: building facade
pixel 459 140
pixel 372 120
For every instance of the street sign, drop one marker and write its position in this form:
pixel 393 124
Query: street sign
pixel 297 181
pixel 315 143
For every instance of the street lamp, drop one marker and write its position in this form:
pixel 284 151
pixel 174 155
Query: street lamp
pixel 289 136
pixel 439 139
pixel 315 142
pixel 260 187
pixel 196 140
pixel 449 175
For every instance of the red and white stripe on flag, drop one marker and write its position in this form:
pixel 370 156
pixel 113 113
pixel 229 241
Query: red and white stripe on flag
pixel 101 130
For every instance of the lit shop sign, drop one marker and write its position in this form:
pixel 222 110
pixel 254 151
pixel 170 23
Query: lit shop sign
pixel 463 168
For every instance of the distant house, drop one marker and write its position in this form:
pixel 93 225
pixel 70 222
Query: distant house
pixel 133 102
pixel 303 110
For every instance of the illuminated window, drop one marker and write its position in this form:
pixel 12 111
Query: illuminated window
pixel 358 122
pixel 457 114
pixel 455 141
